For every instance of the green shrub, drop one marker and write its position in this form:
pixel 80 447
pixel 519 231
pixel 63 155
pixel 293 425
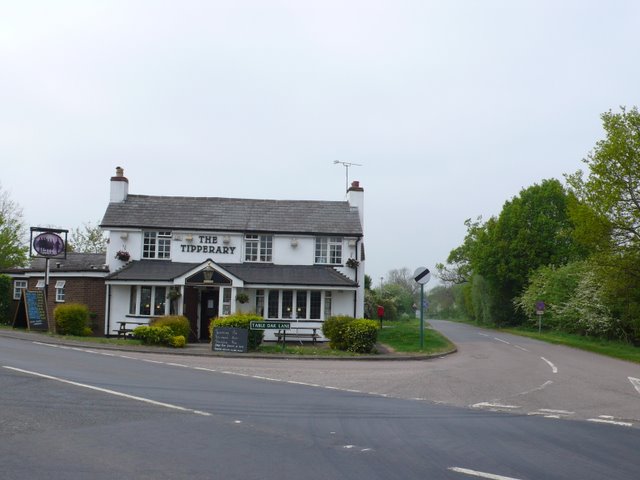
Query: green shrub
pixel 6 293
pixel 351 334
pixel 240 320
pixel 361 335
pixel 72 319
pixel 178 324
pixel 178 341
pixel 334 329
pixel 153 335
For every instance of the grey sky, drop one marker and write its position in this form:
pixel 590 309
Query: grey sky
pixel 452 107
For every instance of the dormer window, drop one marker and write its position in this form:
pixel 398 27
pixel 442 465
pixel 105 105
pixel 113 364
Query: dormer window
pixel 156 245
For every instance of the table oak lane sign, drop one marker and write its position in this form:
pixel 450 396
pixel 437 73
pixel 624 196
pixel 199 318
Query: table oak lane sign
pixel 269 325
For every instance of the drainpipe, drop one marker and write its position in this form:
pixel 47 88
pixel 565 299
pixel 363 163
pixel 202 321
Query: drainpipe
pixel 355 294
pixel 108 313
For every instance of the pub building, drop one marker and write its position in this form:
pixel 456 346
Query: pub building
pixel 297 261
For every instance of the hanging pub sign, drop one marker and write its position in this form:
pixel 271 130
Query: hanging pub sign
pixel 48 242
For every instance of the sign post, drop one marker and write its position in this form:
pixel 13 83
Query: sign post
pixel 540 312
pixel 422 275
pixel 48 243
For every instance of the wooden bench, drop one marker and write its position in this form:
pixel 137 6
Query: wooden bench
pixel 294 333
pixel 125 331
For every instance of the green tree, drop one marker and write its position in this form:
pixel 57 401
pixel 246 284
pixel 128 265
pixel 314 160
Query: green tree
pixel 5 299
pixel 612 187
pixel 533 229
pixel 13 251
pixel 88 239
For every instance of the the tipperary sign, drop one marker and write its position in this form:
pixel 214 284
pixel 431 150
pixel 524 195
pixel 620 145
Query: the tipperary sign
pixel 207 244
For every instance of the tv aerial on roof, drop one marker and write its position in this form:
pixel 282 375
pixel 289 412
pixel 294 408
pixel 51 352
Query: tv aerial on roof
pixel 346 169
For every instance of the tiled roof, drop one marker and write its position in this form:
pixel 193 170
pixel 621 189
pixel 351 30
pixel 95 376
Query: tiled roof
pixel 75 262
pixel 234 215
pixel 251 274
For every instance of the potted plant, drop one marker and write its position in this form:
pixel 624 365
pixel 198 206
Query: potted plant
pixel 123 255
pixel 242 297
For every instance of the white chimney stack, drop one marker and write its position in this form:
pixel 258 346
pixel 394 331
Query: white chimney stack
pixel 119 187
pixel 355 196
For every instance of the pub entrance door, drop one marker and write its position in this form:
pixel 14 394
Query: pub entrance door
pixel 209 299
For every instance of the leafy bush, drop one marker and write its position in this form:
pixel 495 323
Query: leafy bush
pixel 153 335
pixel 240 320
pixel 351 334
pixel 72 319
pixel 5 299
pixel 178 324
pixel 178 341
pixel 334 329
pixel 361 335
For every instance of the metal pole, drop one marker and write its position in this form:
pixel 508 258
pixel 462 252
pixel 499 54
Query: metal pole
pixel 421 316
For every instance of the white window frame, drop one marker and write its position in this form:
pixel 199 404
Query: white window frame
pixel 258 248
pixel 60 291
pixel 328 250
pixel 40 284
pixel 152 304
pixel 156 245
pixel 18 286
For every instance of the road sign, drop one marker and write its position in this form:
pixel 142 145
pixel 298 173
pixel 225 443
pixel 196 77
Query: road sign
pixel 422 275
pixel 540 308
pixel 269 325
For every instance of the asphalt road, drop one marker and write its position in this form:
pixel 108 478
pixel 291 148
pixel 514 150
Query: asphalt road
pixel 90 413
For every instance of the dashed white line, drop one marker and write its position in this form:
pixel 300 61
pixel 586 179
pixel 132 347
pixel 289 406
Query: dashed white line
pixel 500 340
pixel 561 412
pixel 493 405
pixel 553 367
pixel 110 392
pixel 610 422
pixel 541 387
pixel 476 473
pixel 521 348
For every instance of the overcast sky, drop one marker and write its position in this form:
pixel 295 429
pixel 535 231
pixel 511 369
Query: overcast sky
pixel 451 107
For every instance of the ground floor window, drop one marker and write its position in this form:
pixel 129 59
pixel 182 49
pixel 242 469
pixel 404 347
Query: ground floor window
pixel 148 300
pixel 18 287
pixel 60 291
pixel 294 304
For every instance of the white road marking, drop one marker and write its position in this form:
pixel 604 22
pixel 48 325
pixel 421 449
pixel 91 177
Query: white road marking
pixel 606 417
pixel 110 392
pixel 561 412
pixel 541 387
pixel 151 361
pixel 635 382
pixel 493 405
pixel 484 335
pixel 475 473
pixel 610 422
pixel 500 340
pixel 553 367
pixel 521 348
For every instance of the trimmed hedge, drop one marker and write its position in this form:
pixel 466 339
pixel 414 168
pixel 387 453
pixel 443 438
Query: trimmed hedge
pixel 162 335
pixel 178 324
pixel 72 319
pixel 351 334
pixel 240 320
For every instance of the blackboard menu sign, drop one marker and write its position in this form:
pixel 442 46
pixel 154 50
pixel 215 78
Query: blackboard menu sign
pixel 32 312
pixel 227 339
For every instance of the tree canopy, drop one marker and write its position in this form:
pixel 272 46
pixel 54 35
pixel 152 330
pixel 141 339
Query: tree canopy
pixel 13 251
pixel 88 239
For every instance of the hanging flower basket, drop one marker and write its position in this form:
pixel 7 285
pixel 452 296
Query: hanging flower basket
pixel 123 255
pixel 174 294
pixel 242 297
pixel 353 263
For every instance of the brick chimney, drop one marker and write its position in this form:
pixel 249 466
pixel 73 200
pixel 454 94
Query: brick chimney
pixel 119 187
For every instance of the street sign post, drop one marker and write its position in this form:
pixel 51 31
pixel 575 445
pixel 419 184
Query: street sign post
pixel 540 312
pixel 422 275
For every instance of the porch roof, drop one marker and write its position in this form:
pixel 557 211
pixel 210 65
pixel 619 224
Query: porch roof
pixel 251 274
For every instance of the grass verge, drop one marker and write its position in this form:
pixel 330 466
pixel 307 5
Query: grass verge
pixel 610 348
pixel 404 337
